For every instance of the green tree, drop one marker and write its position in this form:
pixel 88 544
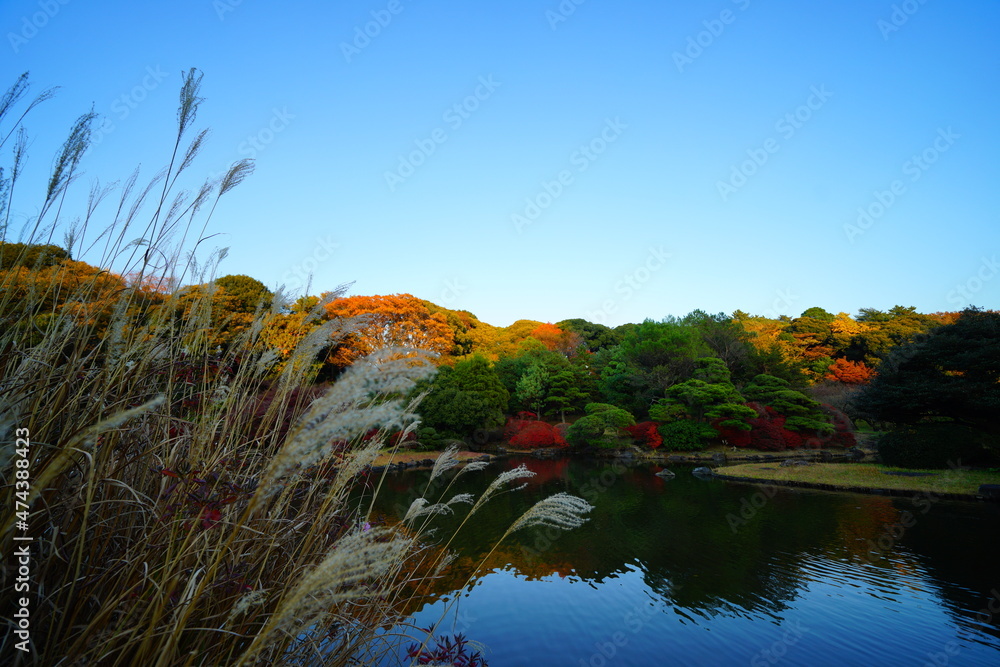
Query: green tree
pixel 565 393
pixel 708 395
pixel 651 356
pixel 465 398
pixel 818 313
pixel 249 294
pixel 595 336
pixel 603 426
pixel 533 387
pixel 950 375
pixel 801 412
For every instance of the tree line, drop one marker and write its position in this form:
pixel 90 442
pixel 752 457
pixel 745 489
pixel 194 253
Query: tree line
pixel 679 382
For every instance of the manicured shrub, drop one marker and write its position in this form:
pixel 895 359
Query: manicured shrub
pixel 604 426
pixel 686 435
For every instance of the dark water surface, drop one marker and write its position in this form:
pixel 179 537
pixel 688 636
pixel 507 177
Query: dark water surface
pixel 705 572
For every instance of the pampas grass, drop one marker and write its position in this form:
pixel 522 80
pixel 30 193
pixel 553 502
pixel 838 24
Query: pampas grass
pixel 176 519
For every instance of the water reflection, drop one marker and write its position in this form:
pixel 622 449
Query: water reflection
pixel 895 577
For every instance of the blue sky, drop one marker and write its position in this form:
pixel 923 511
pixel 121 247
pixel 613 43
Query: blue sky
pixel 609 160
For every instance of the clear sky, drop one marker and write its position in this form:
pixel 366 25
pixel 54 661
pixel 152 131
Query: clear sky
pixel 542 160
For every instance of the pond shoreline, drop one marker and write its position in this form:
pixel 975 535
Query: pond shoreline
pixel 718 462
pixel 873 491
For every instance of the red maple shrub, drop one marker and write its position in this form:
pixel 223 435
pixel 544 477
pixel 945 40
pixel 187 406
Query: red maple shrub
pixel 767 435
pixel 398 439
pixel 646 433
pixel 533 434
pixel 843 436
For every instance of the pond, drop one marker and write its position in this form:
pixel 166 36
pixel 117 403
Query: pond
pixel 705 572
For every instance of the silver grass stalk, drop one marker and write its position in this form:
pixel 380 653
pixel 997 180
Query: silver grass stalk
pixel 349 409
pixel 472 466
pixel 357 559
pixel 561 511
pixel 445 461
pixel 422 507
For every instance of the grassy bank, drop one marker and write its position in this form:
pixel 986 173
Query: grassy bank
pixel 387 456
pixel 870 477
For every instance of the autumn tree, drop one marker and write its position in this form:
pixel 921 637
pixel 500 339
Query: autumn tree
pixel 849 372
pixel 30 255
pixel 396 320
pixel 32 297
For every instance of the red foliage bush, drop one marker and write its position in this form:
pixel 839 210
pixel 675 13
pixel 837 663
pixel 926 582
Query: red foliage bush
pixel 767 435
pixel 298 398
pixel 533 434
pixel 732 437
pixel 843 439
pixel 792 439
pixel 844 434
pixel 646 433
pixel 397 439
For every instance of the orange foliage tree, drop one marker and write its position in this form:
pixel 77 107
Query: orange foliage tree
pixel 395 320
pixel 850 372
pixel 549 334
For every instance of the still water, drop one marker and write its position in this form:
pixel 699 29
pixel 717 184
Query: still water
pixel 705 572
